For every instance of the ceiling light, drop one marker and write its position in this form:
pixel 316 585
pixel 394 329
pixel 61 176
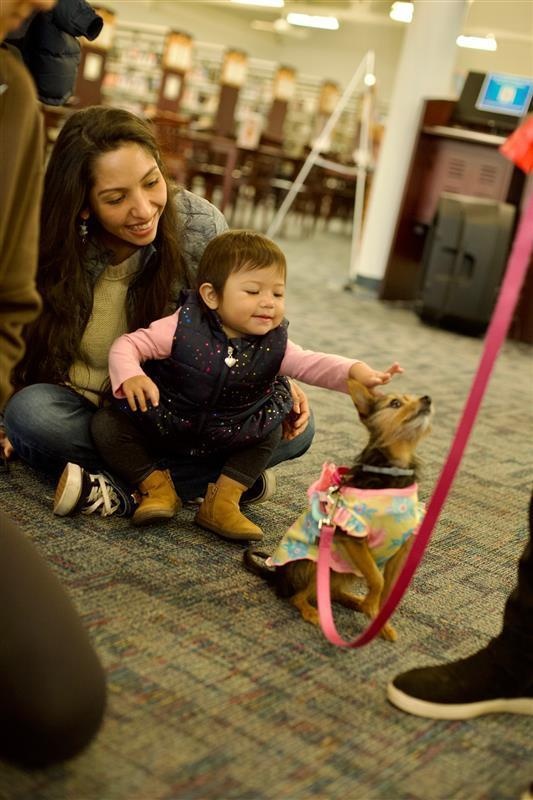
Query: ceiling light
pixel 313 21
pixel 478 42
pixel 264 3
pixel 369 79
pixel 402 12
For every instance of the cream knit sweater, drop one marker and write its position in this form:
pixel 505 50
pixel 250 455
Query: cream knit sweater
pixel 107 321
pixel 198 222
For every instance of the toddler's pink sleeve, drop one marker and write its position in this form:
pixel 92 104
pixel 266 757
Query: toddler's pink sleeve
pixel 129 351
pixel 318 369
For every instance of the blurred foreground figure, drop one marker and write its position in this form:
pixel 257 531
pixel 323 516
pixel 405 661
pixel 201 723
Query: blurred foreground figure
pixel 52 686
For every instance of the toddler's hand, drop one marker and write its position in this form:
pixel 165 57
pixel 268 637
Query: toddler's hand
pixel 138 390
pixel 370 377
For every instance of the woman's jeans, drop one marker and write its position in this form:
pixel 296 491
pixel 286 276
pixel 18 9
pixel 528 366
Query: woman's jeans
pixel 49 425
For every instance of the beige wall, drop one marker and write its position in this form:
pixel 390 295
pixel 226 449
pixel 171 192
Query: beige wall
pixel 336 54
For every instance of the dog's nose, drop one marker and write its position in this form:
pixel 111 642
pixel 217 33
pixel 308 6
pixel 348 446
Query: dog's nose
pixel 426 400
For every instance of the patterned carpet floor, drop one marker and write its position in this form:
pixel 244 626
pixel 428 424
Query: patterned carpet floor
pixel 217 688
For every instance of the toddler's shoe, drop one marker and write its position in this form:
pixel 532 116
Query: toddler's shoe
pixel 158 499
pixel 220 513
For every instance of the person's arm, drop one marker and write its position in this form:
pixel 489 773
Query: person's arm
pixel 331 371
pixel 21 168
pixel 200 221
pixel 129 351
pixel 317 369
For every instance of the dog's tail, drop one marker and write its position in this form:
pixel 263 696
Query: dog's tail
pixel 254 561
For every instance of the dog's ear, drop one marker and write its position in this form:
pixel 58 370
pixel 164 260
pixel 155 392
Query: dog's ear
pixel 362 398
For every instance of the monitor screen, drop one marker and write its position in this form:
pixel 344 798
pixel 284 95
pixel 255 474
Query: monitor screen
pixel 493 102
pixel 505 94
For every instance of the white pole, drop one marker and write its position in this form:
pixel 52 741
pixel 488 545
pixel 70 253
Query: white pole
pixel 424 70
pixel 316 150
pixel 362 162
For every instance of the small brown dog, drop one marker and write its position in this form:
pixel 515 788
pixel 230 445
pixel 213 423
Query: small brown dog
pixel 374 507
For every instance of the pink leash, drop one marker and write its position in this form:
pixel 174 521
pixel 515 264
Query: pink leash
pixel 517 266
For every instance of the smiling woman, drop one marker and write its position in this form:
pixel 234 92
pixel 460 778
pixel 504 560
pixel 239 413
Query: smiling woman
pixel 118 244
pixel 110 251
pixel 128 197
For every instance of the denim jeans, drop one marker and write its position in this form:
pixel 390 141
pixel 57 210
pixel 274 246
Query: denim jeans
pixel 49 425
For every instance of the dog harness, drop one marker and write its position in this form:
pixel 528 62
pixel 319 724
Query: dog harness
pixel 385 517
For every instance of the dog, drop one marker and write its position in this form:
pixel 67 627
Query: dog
pixel 375 510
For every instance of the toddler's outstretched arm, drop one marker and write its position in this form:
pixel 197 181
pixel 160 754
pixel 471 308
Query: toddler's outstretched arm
pixel 371 377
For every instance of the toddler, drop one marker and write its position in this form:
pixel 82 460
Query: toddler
pixel 214 378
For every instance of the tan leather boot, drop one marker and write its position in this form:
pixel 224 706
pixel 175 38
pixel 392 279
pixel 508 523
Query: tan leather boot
pixel 221 514
pixel 158 499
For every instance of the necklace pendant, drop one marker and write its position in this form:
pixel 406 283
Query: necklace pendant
pixel 230 360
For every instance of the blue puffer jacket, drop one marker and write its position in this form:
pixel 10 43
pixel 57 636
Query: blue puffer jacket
pixel 51 51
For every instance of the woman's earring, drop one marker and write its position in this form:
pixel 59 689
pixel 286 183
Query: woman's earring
pixel 83 230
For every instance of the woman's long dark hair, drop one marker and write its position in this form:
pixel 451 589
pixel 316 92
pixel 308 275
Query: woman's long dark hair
pixel 65 283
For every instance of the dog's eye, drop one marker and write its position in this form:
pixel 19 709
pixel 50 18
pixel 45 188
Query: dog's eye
pixel 395 403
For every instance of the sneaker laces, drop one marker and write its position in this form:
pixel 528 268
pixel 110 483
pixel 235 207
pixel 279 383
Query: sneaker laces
pixel 102 498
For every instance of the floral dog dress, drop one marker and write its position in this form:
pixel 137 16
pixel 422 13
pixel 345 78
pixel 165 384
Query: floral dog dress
pixel 386 517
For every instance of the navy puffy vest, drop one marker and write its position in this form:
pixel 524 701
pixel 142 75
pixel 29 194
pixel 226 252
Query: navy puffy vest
pixel 206 405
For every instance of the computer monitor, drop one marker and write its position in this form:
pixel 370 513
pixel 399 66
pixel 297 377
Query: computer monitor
pixel 493 102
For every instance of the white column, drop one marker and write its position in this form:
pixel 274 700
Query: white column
pixel 424 71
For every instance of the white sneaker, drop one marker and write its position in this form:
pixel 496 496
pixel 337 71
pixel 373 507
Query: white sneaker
pixel 79 490
pixel 263 489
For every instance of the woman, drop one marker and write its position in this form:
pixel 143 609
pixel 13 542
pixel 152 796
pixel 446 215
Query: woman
pixel 117 245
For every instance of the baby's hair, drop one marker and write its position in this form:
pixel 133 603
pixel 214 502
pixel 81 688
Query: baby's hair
pixel 234 251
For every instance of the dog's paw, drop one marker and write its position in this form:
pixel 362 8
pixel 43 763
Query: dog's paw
pixel 370 607
pixel 388 632
pixel 310 615
pixel 308 612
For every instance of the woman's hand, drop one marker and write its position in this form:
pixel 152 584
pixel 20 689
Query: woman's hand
pixel 298 419
pixel 138 390
pixel 370 377
pixel 6 448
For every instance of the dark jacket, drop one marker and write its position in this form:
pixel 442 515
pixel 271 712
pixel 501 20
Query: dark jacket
pixel 51 50
pixel 215 393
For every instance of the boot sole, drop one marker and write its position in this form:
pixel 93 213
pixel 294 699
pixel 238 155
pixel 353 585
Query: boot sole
pixel 68 490
pixel 252 537
pixel 152 518
pixel 429 710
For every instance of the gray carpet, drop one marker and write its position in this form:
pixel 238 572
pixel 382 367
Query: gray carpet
pixel 217 689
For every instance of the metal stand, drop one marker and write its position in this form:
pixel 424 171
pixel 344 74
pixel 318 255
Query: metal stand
pixel 362 169
pixel 365 67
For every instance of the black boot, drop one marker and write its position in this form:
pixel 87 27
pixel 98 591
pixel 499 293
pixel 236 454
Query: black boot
pixel 462 689
pixel 497 678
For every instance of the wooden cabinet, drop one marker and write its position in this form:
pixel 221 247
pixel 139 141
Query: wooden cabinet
pixel 460 166
pixel 445 159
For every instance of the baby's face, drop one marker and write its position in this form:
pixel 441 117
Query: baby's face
pixel 252 301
